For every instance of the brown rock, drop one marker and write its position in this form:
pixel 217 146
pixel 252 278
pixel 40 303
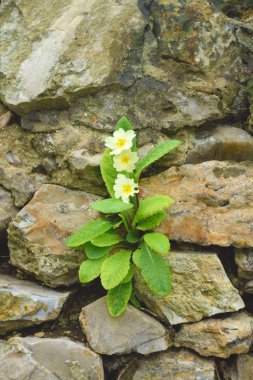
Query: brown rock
pixel 218 337
pixel 244 262
pixel 38 232
pixel 241 369
pixel 201 288
pixel 213 202
pixel 5 119
pixel 133 331
pixel 7 209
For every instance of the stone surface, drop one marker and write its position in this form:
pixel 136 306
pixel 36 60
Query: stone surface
pixel 241 369
pixel 51 359
pixel 133 331
pixel 171 365
pixel 38 232
pixel 244 262
pixel 23 303
pixel 218 337
pixel 7 209
pixel 201 289
pixel 213 202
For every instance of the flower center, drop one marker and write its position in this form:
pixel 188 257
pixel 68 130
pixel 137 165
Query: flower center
pixel 120 143
pixel 125 160
pixel 127 189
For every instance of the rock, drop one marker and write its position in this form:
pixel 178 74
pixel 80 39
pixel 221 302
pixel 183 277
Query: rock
pixel 5 119
pixel 38 232
pixel 7 209
pixel 48 358
pixel 218 337
pixel 59 54
pixel 133 331
pixel 244 263
pixel 241 369
pixel 23 304
pixel 201 289
pixel 171 365
pixel 213 202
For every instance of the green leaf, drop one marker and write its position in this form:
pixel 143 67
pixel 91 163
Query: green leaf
pixel 132 237
pixel 107 239
pixel 134 300
pixel 125 124
pixel 87 232
pixel 152 221
pixel 158 242
pixel 111 206
pixel 129 275
pixel 152 205
pixel 90 269
pixel 115 269
pixel 155 154
pixel 117 299
pixel 154 269
pixel 108 172
pixel 93 252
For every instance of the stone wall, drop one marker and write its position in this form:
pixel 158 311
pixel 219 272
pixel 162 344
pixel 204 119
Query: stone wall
pixel 177 69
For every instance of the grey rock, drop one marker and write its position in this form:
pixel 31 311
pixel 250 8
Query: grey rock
pixel 38 232
pixel 7 209
pixel 201 288
pixel 244 262
pixel 133 331
pixel 24 303
pixel 48 358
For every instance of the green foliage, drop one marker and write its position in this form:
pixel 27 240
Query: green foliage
pixel 132 237
pixel 129 275
pixel 134 301
pixel 108 172
pixel 158 242
pixel 107 239
pixel 93 252
pixel 152 221
pixel 152 205
pixel 154 270
pixel 118 297
pixel 155 154
pixel 87 232
pixel 111 206
pixel 115 269
pixel 90 269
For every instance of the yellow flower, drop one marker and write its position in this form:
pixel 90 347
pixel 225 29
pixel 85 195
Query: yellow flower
pixel 125 161
pixel 124 188
pixel 121 140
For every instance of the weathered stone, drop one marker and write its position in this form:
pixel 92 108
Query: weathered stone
pixel 38 232
pixel 7 209
pixel 241 369
pixel 23 303
pixel 201 288
pixel 52 359
pixel 133 331
pixel 59 53
pixel 171 365
pixel 244 262
pixel 218 337
pixel 213 202
pixel 5 119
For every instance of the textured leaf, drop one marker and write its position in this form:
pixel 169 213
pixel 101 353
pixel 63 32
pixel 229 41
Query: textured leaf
pixel 129 275
pixel 90 269
pixel 132 237
pixel 93 252
pixel 115 269
pixel 158 242
pixel 154 269
pixel 107 239
pixel 152 205
pixel 134 301
pixel 111 206
pixel 152 221
pixel 155 154
pixel 87 232
pixel 125 124
pixel 108 172
pixel 117 298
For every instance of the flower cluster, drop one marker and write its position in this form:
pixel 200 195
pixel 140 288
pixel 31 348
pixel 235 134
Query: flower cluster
pixel 124 160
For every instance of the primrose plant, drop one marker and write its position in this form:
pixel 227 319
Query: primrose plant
pixel 122 240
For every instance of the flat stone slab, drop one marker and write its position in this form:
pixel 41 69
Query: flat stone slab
pixel 218 337
pixel 133 331
pixel 213 202
pixel 201 289
pixel 49 359
pixel 38 232
pixel 24 303
pixel 171 365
